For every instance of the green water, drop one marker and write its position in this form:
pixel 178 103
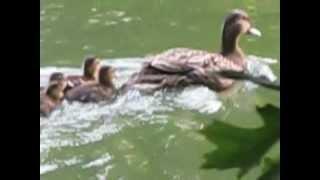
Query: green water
pixel 72 29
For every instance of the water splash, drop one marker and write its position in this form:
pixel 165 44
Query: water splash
pixel 258 66
pixel 45 168
pixel 98 162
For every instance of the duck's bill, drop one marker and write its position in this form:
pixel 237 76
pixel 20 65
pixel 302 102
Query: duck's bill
pixel 254 32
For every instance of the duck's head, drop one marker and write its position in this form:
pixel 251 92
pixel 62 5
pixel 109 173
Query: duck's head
pixel 237 23
pixel 55 91
pixel 106 75
pixel 91 67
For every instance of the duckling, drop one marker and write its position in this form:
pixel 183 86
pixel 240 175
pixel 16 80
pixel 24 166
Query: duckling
pixel 52 98
pixel 90 72
pixel 103 90
pixel 59 78
pixel 180 67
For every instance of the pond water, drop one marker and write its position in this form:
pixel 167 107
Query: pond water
pixel 147 137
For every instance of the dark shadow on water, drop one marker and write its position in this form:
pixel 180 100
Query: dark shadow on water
pixel 243 148
pixel 273 173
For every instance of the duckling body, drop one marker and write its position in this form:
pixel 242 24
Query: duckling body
pixel 90 72
pixel 51 99
pixel 77 80
pixel 91 93
pixel 180 67
pixel 103 90
pixel 47 105
pixel 60 78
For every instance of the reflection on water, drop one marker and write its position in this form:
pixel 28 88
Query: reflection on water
pixel 77 125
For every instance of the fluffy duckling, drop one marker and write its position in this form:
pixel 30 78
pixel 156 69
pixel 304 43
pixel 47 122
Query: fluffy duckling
pixel 180 67
pixel 52 98
pixel 103 90
pixel 58 77
pixel 91 68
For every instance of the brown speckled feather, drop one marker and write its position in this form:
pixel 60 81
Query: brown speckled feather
pixel 181 60
pixel 182 67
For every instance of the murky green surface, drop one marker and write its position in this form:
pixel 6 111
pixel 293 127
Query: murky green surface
pixel 149 149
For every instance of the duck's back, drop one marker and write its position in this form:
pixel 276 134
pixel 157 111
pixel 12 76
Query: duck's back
pixel 194 65
pixel 180 60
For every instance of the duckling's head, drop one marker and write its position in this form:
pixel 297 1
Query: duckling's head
pixel 91 67
pixel 58 77
pixel 55 91
pixel 106 75
pixel 236 23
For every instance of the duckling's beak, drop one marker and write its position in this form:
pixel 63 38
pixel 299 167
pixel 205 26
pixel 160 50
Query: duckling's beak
pixel 254 32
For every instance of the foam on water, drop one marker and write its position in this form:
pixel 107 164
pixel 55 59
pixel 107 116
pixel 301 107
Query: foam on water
pixel 45 168
pixel 98 162
pixel 78 124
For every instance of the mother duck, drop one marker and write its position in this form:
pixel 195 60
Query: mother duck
pixel 180 67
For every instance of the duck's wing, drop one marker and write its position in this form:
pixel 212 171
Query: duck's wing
pixel 219 63
pixel 180 60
